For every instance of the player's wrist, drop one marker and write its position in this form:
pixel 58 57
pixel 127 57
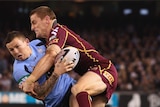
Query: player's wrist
pixel 31 79
pixel 56 75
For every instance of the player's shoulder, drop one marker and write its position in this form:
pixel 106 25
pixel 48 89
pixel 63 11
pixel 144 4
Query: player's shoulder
pixel 18 64
pixel 19 70
pixel 38 42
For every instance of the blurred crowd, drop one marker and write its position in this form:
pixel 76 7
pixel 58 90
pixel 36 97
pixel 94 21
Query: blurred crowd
pixel 135 52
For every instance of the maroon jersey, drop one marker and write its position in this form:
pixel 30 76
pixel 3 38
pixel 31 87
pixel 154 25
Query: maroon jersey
pixel 90 59
pixel 62 36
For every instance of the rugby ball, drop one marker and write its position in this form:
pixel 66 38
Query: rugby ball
pixel 70 54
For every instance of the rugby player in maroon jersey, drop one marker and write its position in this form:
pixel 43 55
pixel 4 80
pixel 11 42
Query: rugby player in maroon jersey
pixel 98 74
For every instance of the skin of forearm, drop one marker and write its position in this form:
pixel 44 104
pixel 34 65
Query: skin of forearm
pixel 45 63
pixel 42 67
pixel 44 89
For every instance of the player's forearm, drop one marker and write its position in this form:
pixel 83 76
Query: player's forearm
pixel 44 89
pixel 45 63
pixel 41 68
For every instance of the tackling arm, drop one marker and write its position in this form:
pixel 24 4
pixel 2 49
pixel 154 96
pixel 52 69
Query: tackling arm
pixel 43 90
pixel 45 63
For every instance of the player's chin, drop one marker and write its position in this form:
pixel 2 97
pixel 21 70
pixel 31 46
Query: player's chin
pixel 19 58
pixel 39 36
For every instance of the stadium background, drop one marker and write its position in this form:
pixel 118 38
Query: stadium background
pixel 128 32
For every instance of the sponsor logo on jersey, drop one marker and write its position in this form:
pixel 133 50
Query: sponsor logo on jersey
pixel 53 41
pixel 54 34
pixel 109 77
pixel 52 37
pixel 23 80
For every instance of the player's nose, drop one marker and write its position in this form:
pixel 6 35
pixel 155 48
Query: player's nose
pixel 16 51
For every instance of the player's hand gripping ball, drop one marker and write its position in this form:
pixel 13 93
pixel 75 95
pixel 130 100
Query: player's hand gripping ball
pixel 70 54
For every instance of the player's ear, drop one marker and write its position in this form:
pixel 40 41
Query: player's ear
pixel 47 18
pixel 27 40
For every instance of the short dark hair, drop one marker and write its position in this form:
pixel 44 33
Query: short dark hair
pixel 42 11
pixel 13 34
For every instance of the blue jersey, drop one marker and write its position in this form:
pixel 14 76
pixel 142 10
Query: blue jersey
pixel 22 69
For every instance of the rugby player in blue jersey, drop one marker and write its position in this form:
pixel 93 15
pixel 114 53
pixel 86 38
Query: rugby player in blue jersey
pixel 53 91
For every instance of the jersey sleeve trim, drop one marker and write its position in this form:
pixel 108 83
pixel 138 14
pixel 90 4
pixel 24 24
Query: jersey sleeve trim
pixel 21 80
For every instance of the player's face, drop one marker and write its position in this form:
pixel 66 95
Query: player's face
pixel 39 26
pixel 19 48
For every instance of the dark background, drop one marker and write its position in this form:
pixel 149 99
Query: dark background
pixel 79 14
pixel 89 17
